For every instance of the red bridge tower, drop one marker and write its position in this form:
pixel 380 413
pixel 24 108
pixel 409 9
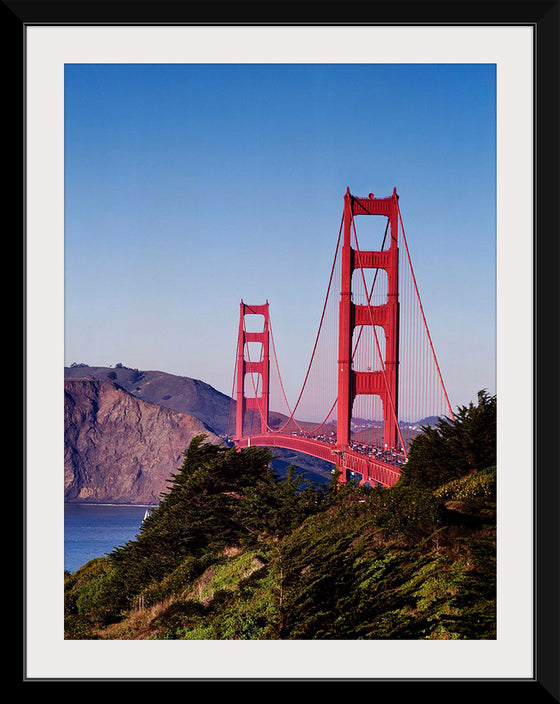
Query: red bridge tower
pixel 245 366
pixel 382 383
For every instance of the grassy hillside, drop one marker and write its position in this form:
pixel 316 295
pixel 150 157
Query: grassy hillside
pixel 235 552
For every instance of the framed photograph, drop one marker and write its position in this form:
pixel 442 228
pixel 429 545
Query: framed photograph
pixel 175 163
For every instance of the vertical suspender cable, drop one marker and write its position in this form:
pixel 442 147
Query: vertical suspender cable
pixel 292 412
pixel 378 349
pixel 423 316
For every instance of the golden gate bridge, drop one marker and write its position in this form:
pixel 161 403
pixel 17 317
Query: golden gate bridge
pixel 373 378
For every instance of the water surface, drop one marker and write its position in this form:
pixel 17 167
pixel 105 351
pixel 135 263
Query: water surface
pixel 93 530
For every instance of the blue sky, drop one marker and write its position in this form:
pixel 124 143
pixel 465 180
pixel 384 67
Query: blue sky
pixel 190 187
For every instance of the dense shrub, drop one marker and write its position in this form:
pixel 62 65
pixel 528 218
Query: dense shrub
pixel 454 449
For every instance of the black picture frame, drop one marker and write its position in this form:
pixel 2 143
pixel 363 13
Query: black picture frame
pixel 17 15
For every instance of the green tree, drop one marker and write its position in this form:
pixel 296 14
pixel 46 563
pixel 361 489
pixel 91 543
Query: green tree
pixel 455 448
pixel 277 505
pixel 197 517
pixel 221 498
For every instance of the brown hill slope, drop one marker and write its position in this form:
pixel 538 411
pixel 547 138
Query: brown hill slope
pixel 179 393
pixel 198 399
pixel 119 448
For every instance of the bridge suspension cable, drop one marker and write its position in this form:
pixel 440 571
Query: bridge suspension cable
pixel 292 412
pixel 451 415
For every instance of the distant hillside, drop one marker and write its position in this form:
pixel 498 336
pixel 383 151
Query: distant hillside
pixel 195 398
pixel 179 393
pixel 119 448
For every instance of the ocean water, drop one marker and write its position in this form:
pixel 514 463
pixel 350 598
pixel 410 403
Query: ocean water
pixel 92 530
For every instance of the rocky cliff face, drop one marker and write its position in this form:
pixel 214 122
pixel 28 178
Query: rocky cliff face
pixel 180 393
pixel 119 448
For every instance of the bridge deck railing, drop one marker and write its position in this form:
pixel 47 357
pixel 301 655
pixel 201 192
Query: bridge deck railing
pixel 372 470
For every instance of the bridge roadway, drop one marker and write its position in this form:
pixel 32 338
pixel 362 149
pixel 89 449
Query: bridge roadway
pixel 373 471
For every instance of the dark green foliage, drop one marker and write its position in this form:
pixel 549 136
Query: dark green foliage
pixel 278 505
pixel 88 598
pixel 390 569
pixel 220 498
pixel 174 582
pixel 179 618
pixel 473 604
pixel 198 516
pixel 453 449
pixel 405 512
pixel 234 552
pixel 316 563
